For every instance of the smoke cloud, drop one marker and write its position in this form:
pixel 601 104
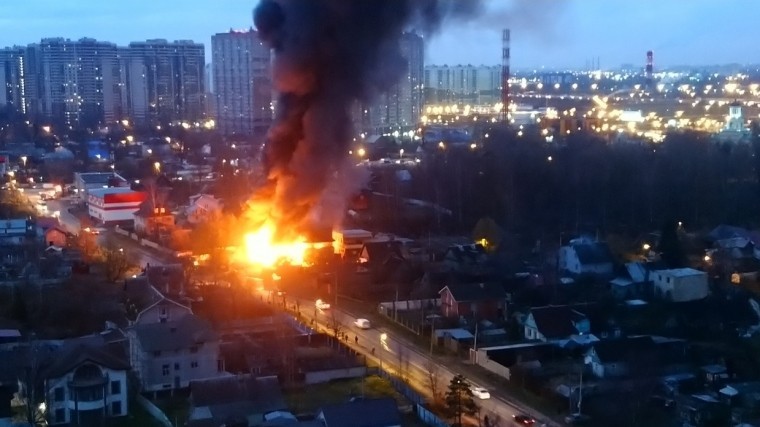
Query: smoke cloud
pixel 329 54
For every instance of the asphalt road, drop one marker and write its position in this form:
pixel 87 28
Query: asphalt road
pixel 403 358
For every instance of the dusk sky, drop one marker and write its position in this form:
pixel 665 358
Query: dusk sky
pixel 550 33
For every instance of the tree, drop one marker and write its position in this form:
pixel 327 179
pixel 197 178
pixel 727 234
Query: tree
pixel 670 245
pixel 28 402
pixel 487 233
pixel 115 261
pixel 87 244
pixel 459 399
pixel 433 381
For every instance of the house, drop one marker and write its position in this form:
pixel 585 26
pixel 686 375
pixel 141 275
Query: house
pixel 584 257
pixel 16 231
pixel 86 383
pixel 56 236
pixel 469 259
pixel 349 243
pixel 234 400
pixel 680 284
pixel 555 322
pixel 170 347
pixel 700 410
pixel 203 207
pixel 745 395
pixel 632 283
pixel 379 258
pixel 480 300
pixel 616 357
pixel 361 413
pixel 150 220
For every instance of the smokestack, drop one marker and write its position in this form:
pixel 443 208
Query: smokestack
pixel 650 68
pixel 505 45
pixel 329 54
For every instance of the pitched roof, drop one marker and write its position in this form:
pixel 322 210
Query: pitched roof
pixel 362 413
pixel 724 231
pixel 615 350
pixel 472 254
pixel 70 357
pixel 556 321
pixel 184 333
pixel 381 251
pixel 257 395
pixel 593 253
pixel 463 292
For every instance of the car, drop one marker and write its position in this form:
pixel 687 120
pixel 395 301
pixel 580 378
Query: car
pixel 577 419
pixel 362 323
pixel 525 420
pixel 481 393
pixel 322 305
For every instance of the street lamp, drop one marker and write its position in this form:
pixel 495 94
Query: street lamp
pixel 157 166
pixel 646 246
pixel 361 152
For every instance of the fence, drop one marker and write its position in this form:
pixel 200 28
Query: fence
pixel 428 417
pixel 387 308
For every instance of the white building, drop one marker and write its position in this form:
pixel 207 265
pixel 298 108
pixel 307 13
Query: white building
pixel 112 204
pixel 169 347
pixel 242 82
pixel 464 80
pixel 350 242
pixel 586 257
pixel 680 284
pixel 86 181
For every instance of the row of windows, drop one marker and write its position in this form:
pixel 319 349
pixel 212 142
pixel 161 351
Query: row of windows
pixel 165 369
pixel 59 393
pixel 59 415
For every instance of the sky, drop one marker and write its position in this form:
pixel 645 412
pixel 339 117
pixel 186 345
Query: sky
pixel 545 33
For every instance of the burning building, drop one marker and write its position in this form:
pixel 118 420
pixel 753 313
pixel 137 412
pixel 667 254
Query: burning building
pixel 329 55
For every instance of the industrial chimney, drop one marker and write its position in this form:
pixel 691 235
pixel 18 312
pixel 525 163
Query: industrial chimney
pixel 505 35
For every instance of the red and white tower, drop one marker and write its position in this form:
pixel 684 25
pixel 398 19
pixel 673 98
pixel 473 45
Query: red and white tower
pixel 650 68
pixel 505 35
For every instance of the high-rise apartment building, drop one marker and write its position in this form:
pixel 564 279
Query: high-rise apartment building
pixel 13 79
pixel 401 105
pixel 242 82
pixel 478 84
pixel 174 78
pixel 75 81
pixel 87 83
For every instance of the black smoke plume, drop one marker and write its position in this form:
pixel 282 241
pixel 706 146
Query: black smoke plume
pixel 329 55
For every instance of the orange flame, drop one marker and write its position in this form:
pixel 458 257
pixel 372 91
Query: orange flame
pixel 264 250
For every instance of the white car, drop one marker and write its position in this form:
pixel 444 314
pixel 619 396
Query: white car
pixel 362 323
pixel 322 305
pixel 481 393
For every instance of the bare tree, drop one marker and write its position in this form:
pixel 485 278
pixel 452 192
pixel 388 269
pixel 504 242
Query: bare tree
pixel 335 326
pixel 115 260
pixel 433 381
pixel 28 401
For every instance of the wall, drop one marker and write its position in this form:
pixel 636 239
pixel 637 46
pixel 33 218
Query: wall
pixel 68 401
pixel 482 359
pixel 335 374
pixel 180 364
pixel 690 288
pixel 386 308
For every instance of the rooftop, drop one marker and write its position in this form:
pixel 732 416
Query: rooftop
pixel 362 413
pixel 681 272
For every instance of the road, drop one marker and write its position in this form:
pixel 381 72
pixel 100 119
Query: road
pixel 401 357
pixel 59 208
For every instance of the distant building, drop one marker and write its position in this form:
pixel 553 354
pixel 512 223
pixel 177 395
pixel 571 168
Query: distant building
pixel 16 231
pixel 553 323
pixel 680 284
pixel 242 82
pixel 585 257
pixel 202 208
pixel 13 79
pixel 735 129
pixel 400 107
pixel 86 181
pixel 477 84
pixel 114 204
pixel 174 78
pixel 153 220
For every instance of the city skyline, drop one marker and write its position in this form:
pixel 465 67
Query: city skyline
pixel 551 34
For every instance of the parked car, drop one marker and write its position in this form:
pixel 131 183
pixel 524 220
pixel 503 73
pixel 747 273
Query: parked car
pixel 481 393
pixel 362 323
pixel 577 419
pixel 321 305
pixel 525 420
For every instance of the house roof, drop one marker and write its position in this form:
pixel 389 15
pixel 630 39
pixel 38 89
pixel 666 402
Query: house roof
pixel 465 292
pixel 637 272
pixel 234 399
pixel 190 330
pixel 724 231
pixel 166 278
pixel 556 321
pixel 362 413
pixel 682 272
pixel 471 254
pixel 46 223
pixel 381 251
pixel 98 177
pixel 593 253
pixel 615 350
pixel 75 354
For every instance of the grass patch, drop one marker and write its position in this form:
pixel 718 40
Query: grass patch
pixel 308 399
pixel 137 416
pixel 176 408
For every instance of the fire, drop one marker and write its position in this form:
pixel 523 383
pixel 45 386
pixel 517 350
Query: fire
pixel 264 250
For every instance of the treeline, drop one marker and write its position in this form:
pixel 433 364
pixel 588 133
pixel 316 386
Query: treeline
pixel 587 184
